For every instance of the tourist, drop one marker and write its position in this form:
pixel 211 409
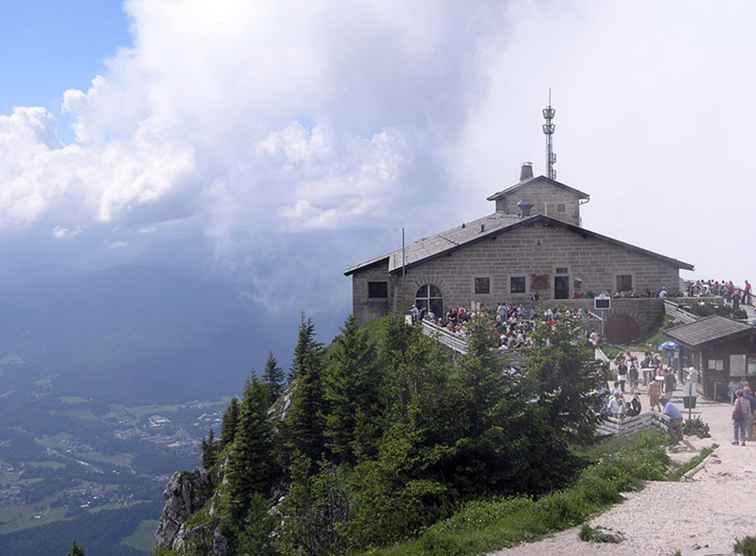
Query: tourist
pixel 741 408
pixel 616 408
pixel 633 374
pixel 747 293
pixel 654 395
pixel 732 387
pixel 669 383
pixel 675 417
pixel 622 375
pixel 748 422
pixel 635 403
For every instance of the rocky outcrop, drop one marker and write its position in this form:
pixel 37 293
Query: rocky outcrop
pixel 186 492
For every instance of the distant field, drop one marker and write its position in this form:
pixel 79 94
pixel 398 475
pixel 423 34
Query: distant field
pixel 20 517
pixel 143 537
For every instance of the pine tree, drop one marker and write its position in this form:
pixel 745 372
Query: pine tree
pixel 251 468
pixel 209 450
pixel 304 425
pixel 273 376
pixel 350 389
pixel 76 550
pixel 230 420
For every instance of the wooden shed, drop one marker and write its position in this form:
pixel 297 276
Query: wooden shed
pixel 721 349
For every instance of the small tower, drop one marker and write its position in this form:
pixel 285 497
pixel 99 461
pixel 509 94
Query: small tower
pixel 548 129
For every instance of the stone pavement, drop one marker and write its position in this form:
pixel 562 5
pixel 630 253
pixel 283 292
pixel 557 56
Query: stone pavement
pixel 700 517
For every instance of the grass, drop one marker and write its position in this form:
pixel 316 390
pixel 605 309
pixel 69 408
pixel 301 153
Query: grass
pixel 677 473
pixel 599 535
pixel 484 525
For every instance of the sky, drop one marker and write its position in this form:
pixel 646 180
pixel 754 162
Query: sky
pixel 274 143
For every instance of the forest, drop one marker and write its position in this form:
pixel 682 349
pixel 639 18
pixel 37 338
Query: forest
pixel 371 440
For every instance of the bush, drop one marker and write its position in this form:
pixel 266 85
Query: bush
pixel 600 535
pixel 485 525
pixel 745 546
pixel 696 427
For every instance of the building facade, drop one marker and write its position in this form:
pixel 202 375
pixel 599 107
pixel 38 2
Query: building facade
pixel 532 244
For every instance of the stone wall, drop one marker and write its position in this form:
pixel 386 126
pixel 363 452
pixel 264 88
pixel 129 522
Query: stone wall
pixel 365 309
pixel 530 251
pixel 545 198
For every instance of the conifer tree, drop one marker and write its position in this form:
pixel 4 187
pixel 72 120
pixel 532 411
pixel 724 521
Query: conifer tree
pixel 76 550
pixel 250 468
pixel 350 390
pixel 230 420
pixel 304 426
pixel 273 376
pixel 209 450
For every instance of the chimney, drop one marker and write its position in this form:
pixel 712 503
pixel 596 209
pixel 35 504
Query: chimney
pixel 526 172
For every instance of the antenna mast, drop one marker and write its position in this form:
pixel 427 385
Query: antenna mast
pixel 548 130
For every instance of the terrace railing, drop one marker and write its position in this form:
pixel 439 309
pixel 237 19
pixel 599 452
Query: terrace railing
pixel 450 340
pixel 617 426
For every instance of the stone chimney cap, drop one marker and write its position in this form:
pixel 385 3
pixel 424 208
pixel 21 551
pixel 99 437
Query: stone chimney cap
pixel 526 172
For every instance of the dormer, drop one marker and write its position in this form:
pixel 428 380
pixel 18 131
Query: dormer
pixel 540 195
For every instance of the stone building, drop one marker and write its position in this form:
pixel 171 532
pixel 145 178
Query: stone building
pixel 532 244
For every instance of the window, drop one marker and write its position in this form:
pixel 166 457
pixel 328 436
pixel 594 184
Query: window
pixel 751 365
pixel 737 365
pixel 517 284
pixel 560 207
pixel 525 211
pixel 562 270
pixel 715 364
pixel 624 283
pixel 482 285
pixel 377 290
pixel 428 298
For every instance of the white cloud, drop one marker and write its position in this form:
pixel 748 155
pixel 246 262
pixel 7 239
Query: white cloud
pixel 263 123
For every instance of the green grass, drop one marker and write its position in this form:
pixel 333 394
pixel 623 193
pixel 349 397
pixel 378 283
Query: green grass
pixel 745 546
pixel 677 473
pixel 143 537
pixel 485 525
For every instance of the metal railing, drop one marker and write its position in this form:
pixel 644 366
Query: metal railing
pixel 450 340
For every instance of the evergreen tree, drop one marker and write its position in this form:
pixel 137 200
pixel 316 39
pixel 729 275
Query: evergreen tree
pixel 250 468
pixel 209 450
pixel 350 390
pixel 273 376
pixel 230 420
pixel 481 373
pixel 304 427
pixel 566 378
pixel 76 550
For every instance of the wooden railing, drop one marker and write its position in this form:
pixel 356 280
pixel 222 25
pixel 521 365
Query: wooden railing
pixel 452 341
pixel 678 314
pixel 621 426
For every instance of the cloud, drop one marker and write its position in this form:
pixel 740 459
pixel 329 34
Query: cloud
pixel 293 139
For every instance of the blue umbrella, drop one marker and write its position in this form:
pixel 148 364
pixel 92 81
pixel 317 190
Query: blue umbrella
pixel 668 346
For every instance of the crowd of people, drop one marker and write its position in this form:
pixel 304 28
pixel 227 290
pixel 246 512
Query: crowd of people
pixel 660 379
pixel 513 323
pixel 722 288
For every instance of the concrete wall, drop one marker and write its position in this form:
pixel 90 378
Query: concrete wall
pixel 365 309
pixel 527 251
pixel 545 199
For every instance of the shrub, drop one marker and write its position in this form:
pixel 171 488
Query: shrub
pixel 696 427
pixel 745 546
pixel 599 535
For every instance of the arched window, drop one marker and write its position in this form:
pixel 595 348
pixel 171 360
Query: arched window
pixel 428 297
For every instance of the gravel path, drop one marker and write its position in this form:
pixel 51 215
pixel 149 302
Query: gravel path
pixel 700 517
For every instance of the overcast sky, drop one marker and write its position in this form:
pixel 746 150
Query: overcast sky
pixel 276 142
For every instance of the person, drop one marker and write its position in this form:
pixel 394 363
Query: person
pixel 654 395
pixel 747 293
pixel 669 383
pixel 739 411
pixel 616 407
pixel 635 403
pixel 633 374
pixel 622 375
pixel 675 417
pixel 748 422
pixel 732 387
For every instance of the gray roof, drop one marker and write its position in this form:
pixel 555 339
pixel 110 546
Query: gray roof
pixel 517 186
pixel 706 330
pixel 470 232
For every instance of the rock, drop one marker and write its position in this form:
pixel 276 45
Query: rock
pixel 185 493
